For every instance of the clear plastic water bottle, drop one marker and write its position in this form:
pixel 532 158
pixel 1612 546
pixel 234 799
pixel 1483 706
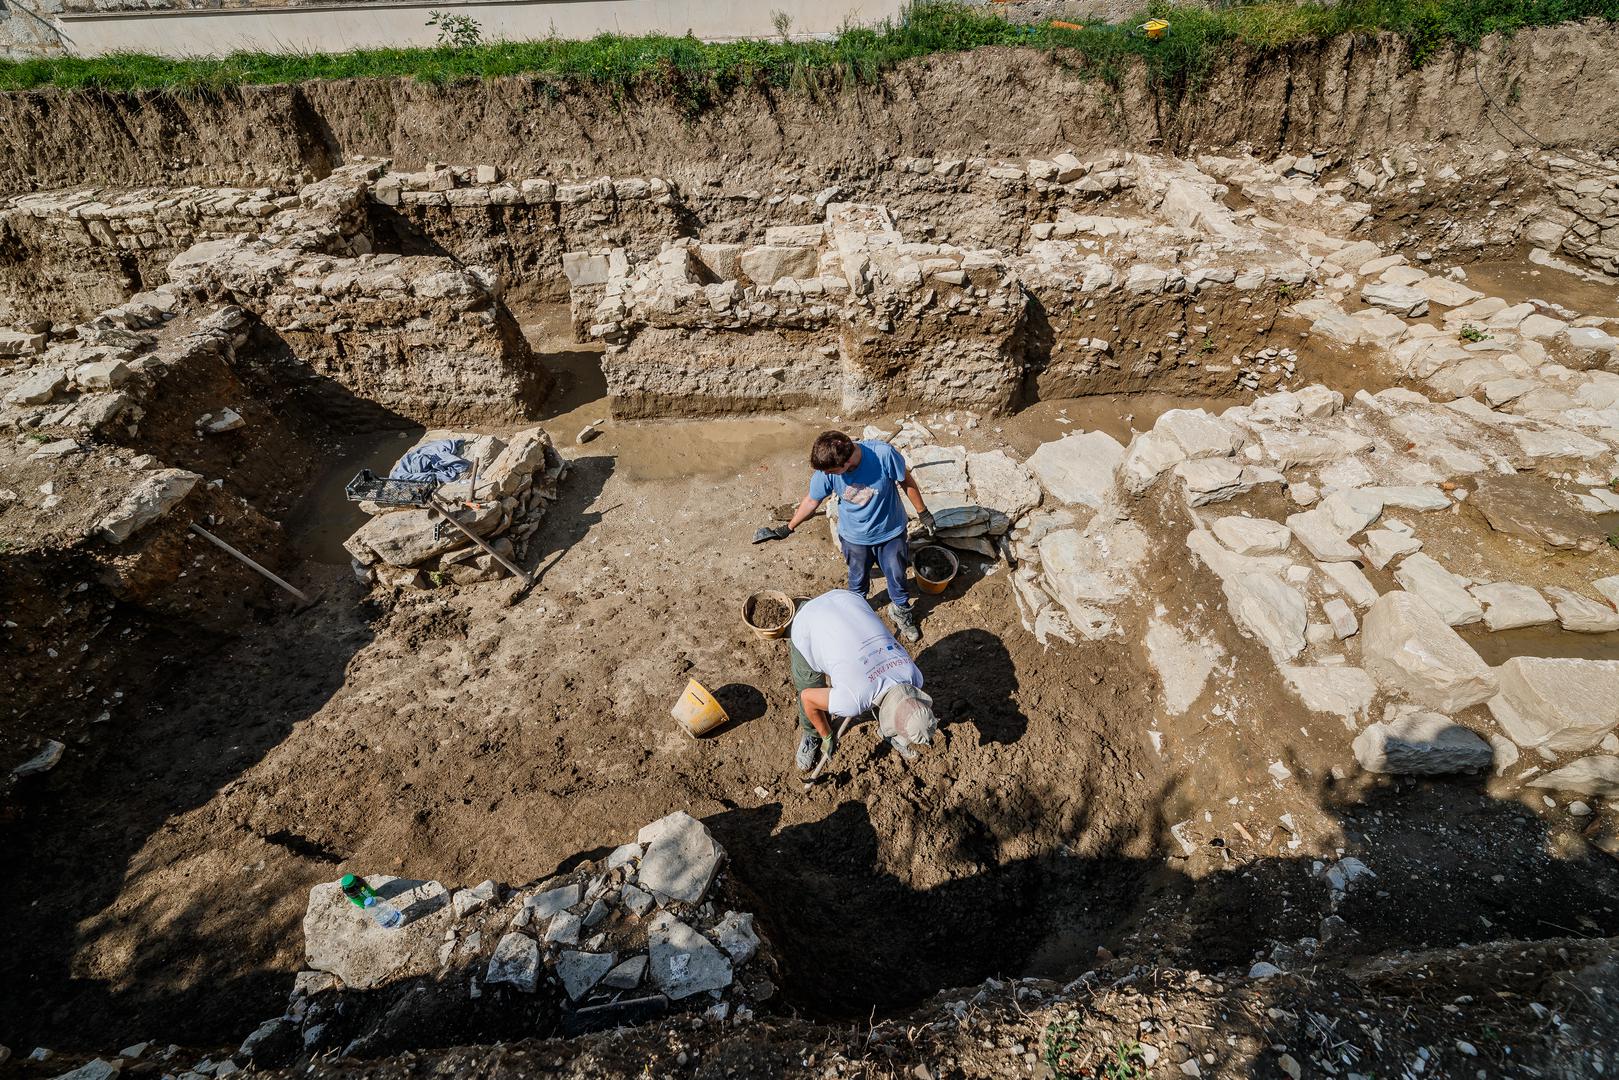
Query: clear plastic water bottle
pixel 366 899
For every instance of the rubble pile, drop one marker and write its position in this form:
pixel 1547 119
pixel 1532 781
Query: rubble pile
pixel 649 930
pixel 414 546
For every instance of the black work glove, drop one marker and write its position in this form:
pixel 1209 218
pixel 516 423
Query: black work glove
pixel 925 519
pixel 772 532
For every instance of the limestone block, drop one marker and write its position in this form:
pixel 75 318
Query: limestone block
pixel 1267 608
pixel 38 387
pixel 1561 703
pixel 1411 741
pixel 1000 483
pixel 682 961
pixel 1439 588
pixel 769 263
pixel 1345 692
pixel 1211 480
pixel 1508 606
pixel 681 858
pixel 1396 299
pixel 1078 469
pixel 1595 775
pixel 1524 505
pixel 1581 614
pixel 153 496
pixel 1383 546
pixel 581 971
pixel 1252 536
pixel 1199 434
pixel 1147 456
pixel 342 939
pixel 1321 537
pixel 1408 647
pixel 515 962
pixel 1352 581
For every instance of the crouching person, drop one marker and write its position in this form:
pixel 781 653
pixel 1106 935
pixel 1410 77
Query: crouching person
pixel 845 662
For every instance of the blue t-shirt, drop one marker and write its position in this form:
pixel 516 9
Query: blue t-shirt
pixel 869 507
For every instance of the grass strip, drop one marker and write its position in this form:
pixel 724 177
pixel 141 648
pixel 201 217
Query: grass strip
pixel 698 74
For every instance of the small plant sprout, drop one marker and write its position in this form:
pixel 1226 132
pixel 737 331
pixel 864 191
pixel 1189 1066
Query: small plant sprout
pixel 1207 346
pixel 456 31
pixel 1472 333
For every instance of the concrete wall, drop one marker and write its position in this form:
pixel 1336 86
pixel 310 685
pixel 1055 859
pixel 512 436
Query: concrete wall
pixel 342 26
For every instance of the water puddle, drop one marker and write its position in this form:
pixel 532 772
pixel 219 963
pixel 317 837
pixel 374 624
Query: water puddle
pixel 1115 414
pixel 1548 640
pixel 1516 280
pixel 324 517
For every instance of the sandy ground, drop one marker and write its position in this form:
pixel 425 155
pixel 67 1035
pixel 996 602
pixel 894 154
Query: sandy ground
pixel 159 883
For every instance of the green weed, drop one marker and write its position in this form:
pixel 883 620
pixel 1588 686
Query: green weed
pixel 1472 333
pixel 699 73
pixel 1065 1053
pixel 1207 346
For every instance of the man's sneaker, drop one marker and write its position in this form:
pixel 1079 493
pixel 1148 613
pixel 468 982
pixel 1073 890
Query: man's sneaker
pixel 904 624
pixel 809 752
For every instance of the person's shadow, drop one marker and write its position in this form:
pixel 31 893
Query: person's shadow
pixel 970 676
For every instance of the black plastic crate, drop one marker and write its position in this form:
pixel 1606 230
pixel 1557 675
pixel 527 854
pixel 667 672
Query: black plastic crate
pixel 386 491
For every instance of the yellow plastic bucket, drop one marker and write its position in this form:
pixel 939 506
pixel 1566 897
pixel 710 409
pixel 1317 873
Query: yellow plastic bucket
pixel 697 710
pixel 1154 28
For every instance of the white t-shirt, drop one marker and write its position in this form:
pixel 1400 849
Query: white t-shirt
pixel 842 638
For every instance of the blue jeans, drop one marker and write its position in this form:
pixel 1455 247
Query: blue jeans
pixel 892 557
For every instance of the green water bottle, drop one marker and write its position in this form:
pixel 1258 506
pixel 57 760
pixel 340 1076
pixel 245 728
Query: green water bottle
pixel 366 899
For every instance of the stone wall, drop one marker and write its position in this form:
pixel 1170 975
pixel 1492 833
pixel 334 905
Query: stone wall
pixel 520 226
pixel 1586 224
pixel 1168 290
pixel 66 255
pixel 27 30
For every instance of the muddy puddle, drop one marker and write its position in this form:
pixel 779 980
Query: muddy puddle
pixel 324 517
pixel 1517 279
pixel 1115 414
pixel 1549 641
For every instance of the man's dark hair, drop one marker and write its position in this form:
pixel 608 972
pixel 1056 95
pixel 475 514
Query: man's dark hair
pixel 832 449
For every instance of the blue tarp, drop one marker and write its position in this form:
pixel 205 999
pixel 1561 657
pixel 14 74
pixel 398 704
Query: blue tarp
pixel 439 460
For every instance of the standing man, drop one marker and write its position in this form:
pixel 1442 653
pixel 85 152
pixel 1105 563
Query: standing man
pixel 867 478
pixel 844 662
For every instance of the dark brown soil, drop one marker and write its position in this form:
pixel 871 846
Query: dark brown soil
pixel 768 612
pixel 933 564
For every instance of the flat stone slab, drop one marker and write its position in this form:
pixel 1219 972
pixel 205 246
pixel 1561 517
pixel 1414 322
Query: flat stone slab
pixel 1352 581
pixel 682 961
pixel 1408 647
pixel 153 495
pixel 1383 546
pixel 1000 483
pixel 1321 536
pixel 1595 775
pixel 543 905
pixel 1267 608
pixel 1345 692
pixel 1252 536
pixel 1078 469
pixel 1580 614
pixel 681 858
pixel 515 962
pixel 342 939
pixel 627 975
pixel 1183 663
pixel 1411 741
pixel 1199 434
pixel 1564 704
pixel 1508 606
pixel 1146 458
pixel 1439 588
pixel 1521 505
pixel 581 971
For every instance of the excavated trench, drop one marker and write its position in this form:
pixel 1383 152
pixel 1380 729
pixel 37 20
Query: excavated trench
pixel 428 736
